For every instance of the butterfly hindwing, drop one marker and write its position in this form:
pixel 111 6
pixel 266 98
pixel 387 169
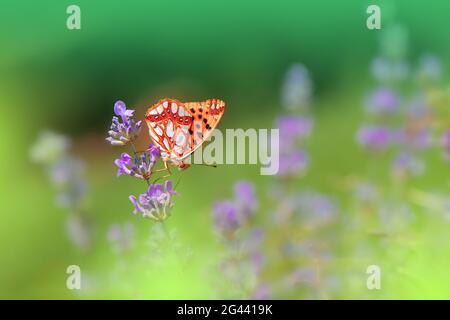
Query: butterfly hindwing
pixel 178 129
pixel 206 116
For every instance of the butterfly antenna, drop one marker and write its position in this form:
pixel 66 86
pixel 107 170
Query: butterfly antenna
pixel 213 165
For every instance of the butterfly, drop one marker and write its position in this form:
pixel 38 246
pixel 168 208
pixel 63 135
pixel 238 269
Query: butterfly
pixel 179 128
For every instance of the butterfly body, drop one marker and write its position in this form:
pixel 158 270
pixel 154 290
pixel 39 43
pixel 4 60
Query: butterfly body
pixel 178 128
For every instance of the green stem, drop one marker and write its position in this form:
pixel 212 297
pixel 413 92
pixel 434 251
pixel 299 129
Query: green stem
pixel 134 148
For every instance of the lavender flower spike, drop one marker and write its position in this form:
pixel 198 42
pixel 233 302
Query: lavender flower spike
pixel 140 166
pixel 246 200
pixel 382 101
pixel 225 216
pixel 375 138
pixel 126 131
pixel 156 203
pixel 297 88
pixel 293 129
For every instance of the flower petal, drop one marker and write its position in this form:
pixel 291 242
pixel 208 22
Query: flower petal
pixel 120 108
pixel 137 206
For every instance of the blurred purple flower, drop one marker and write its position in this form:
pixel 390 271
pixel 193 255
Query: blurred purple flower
pixel 79 231
pixel 246 201
pixel 293 163
pixel 297 87
pixel 315 208
pixel 154 151
pixel 140 166
pixel 292 130
pixel 121 237
pixel 225 216
pixel 252 245
pixel 405 165
pixel 126 131
pixel 262 292
pixel 66 170
pixel 72 195
pixel 413 139
pixel 382 101
pixel 374 138
pixel 67 175
pixel 155 203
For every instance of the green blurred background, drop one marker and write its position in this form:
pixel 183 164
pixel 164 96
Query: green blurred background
pixel 139 51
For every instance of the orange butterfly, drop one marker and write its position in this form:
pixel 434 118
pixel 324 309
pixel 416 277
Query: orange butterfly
pixel 178 128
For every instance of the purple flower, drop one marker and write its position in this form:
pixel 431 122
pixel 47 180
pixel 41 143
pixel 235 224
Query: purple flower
pixel 446 144
pixel 140 166
pixel 126 131
pixel 414 139
pixel 405 165
pixel 293 129
pixel 156 202
pixel 121 110
pixel 382 101
pixel 375 138
pixel 121 237
pixel 297 88
pixel 315 208
pixel 66 170
pixel 68 176
pixel 154 151
pixel 79 231
pixel 72 195
pixel 225 217
pixel 262 292
pixel 252 247
pixel 293 163
pixel 246 201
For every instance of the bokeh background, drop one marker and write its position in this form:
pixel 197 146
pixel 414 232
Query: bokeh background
pixel 364 212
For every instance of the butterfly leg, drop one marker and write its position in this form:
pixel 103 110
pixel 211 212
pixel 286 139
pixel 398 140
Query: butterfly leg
pixel 166 168
pixel 166 165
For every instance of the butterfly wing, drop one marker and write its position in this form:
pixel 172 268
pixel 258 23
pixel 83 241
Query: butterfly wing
pixel 206 116
pixel 178 129
pixel 165 118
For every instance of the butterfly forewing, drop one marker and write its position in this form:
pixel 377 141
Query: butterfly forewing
pixel 165 120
